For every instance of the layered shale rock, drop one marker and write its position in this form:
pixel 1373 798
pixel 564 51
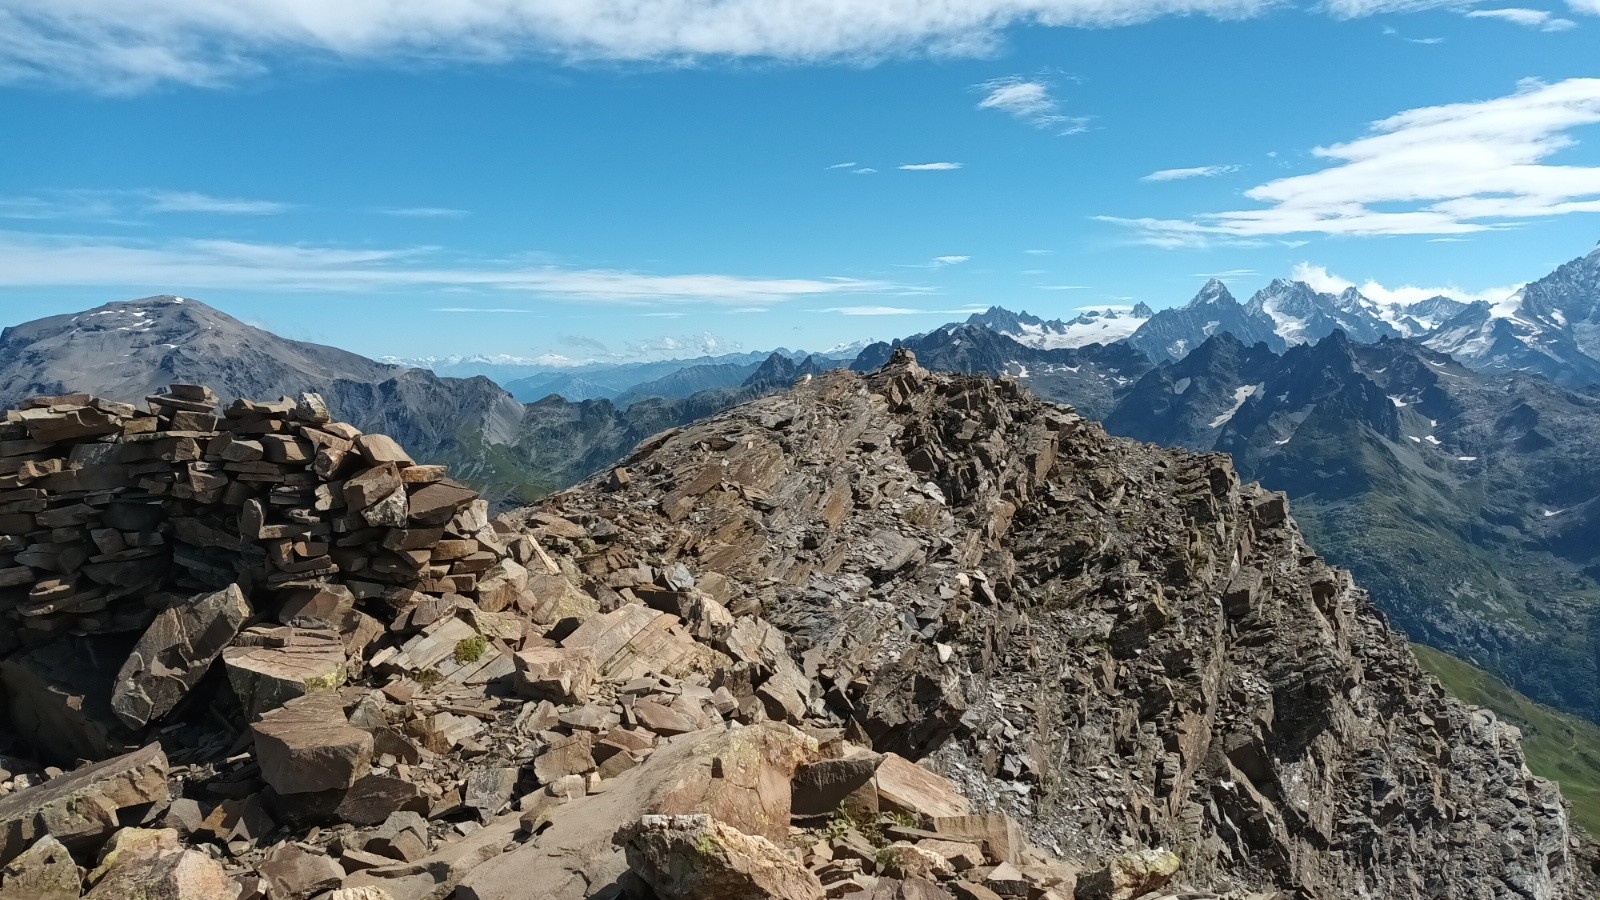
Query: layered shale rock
pixel 1120 646
pixel 901 636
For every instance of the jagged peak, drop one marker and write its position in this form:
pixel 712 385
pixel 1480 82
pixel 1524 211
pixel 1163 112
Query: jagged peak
pixel 1142 310
pixel 1214 291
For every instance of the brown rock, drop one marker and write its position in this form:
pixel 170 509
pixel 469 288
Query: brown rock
pixel 998 834
pixel 739 776
pixel 904 786
pixel 83 808
pixel 1129 875
pixel 567 756
pixel 559 674
pixel 174 652
pixel 278 666
pixel 295 874
pixel 830 784
pixel 698 858
pixel 160 871
pixel 309 745
pixel 45 872
pixel 378 449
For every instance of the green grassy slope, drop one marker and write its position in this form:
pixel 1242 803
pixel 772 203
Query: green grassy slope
pixel 1563 748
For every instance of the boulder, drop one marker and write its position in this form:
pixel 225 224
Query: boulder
pixel 558 674
pixel 45 872
pixel 1129 875
pixel 282 664
pixel 308 745
pixel 174 653
pixel 998 834
pixel 82 809
pixel 738 776
pixel 149 865
pixel 904 786
pixel 698 858
pixel 295 874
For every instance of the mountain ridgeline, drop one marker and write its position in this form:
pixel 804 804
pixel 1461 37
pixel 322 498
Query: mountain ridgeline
pixel 513 452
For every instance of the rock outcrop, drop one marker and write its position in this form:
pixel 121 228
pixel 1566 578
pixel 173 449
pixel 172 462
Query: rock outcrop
pixel 899 636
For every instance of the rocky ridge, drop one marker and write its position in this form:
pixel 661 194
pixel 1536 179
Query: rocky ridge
pixel 901 635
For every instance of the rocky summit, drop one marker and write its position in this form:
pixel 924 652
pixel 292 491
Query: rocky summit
pixel 892 635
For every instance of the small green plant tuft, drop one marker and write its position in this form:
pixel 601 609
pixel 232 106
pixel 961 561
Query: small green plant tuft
pixel 470 650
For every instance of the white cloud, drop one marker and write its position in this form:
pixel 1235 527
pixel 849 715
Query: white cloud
pixel 425 212
pixel 1356 9
pixel 848 165
pixel 1527 18
pixel 864 170
pixel 480 309
pixel 109 205
pixel 1585 7
pixel 1031 101
pixel 899 311
pixel 32 260
pixel 1320 279
pixel 1438 170
pixel 133 45
pixel 1192 172
pixel 1039 252
pixel 949 260
pixel 931 167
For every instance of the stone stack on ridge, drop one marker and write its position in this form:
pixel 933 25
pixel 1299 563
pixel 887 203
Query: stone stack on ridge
pixel 138 546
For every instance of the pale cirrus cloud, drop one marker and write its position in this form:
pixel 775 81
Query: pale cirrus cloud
pixel 1585 7
pixel 899 311
pixel 1030 100
pixel 1527 18
pixel 33 260
pixel 132 45
pixel 1438 170
pixel 931 167
pixel 115 204
pixel 1191 172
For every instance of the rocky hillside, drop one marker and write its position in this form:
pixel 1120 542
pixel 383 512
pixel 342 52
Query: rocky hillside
pixel 900 635
pixel 1116 644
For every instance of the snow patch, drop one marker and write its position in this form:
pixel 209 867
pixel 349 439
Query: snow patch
pixel 1240 395
pixel 1467 458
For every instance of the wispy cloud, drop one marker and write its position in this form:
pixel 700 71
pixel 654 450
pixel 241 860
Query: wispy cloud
pixel 425 212
pixel 899 311
pixel 1527 18
pixel 1062 287
pixel 125 47
pixel 1192 172
pixel 103 205
pixel 1585 7
pixel 1320 279
pixel 44 260
pixel 1031 100
pixel 931 167
pixel 864 170
pixel 941 261
pixel 1226 273
pixel 848 165
pixel 1437 170
pixel 481 309
pixel 1039 252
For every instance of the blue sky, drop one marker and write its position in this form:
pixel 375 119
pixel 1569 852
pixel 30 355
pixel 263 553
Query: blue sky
pixel 432 177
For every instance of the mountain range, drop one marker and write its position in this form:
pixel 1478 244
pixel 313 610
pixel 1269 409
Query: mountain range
pixel 1443 450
